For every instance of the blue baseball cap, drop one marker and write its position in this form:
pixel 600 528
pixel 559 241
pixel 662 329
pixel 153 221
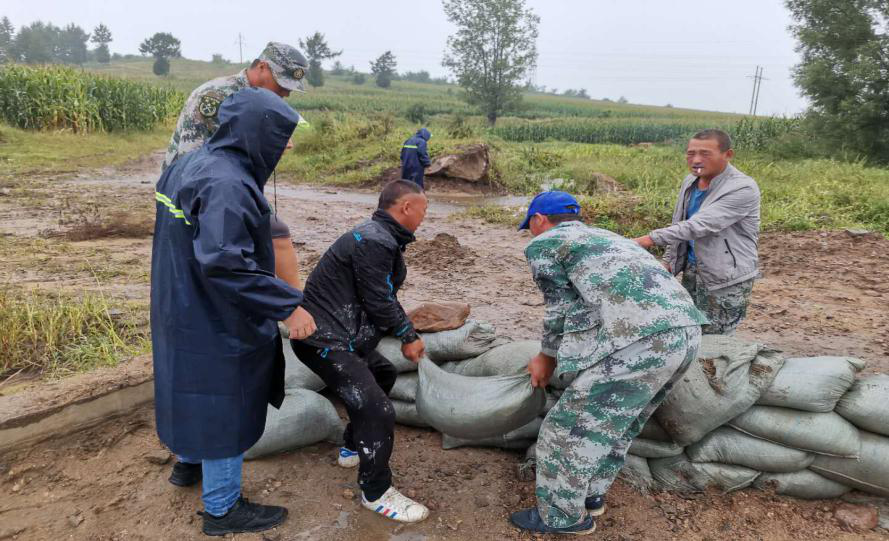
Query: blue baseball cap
pixel 547 203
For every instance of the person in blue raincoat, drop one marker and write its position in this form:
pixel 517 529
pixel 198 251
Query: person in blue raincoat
pixel 415 157
pixel 215 304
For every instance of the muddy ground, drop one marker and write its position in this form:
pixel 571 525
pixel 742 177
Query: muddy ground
pixel 822 293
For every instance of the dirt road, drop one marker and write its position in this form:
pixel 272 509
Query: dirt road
pixel 822 293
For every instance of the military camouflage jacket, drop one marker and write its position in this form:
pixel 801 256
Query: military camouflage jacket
pixel 198 119
pixel 602 293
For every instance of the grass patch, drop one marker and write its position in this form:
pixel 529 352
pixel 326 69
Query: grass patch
pixel 58 335
pixel 25 152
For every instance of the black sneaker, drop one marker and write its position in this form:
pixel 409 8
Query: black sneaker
pixel 529 520
pixel 595 505
pixel 244 517
pixel 186 475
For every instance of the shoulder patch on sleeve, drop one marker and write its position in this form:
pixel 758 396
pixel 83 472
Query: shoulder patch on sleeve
pixel 208 106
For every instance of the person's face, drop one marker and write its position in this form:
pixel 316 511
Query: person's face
pixel 705 159
pixel 413 208
pixel 267 80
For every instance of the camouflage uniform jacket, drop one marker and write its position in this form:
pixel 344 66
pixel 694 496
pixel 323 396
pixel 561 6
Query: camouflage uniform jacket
pixel 198 119
pixel 602 293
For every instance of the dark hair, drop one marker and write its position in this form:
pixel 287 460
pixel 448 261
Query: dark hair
pixel 724 140
pixel 255 63
pixel 395 190
pixel 556 219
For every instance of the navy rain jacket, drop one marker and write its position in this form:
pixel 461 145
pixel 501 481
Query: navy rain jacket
pixel 215 301
pixel 415 157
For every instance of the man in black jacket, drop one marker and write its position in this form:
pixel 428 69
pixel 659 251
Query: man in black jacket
pixel 351 294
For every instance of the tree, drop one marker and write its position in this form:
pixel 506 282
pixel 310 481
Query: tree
pixel 102 37
pixel 161 46
pixel 7 35
pixel 36 43
pixel 845 72
pixel 71 45
pixel 338 68
pixel 218 59
pixel 318 51
pixel 493 51
pixel 383 69
pixel 161 66
pixel 421 76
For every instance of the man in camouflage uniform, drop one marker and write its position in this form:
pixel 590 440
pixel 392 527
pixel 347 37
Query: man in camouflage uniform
pixel 713 240
pixel 625 329
pixel 279 68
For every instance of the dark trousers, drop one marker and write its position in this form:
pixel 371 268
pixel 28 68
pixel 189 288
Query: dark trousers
pixel 363 383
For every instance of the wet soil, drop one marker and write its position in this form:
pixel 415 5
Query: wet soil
pixel 822 293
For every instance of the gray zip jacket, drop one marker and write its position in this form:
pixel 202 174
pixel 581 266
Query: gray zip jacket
pixel 725 230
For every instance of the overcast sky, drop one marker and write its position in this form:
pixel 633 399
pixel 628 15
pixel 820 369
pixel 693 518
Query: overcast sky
pixel 690 53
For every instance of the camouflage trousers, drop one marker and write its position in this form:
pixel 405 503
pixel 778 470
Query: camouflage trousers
pixel 585 437
pixel 726 308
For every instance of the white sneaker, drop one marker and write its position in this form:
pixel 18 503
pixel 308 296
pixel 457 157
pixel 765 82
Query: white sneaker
pixel 347 458
pixel 396 506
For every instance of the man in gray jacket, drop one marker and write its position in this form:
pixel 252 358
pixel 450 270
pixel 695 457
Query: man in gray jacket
pixel 715 233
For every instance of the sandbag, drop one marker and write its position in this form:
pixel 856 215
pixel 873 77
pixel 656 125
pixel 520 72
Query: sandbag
pixel 475 408
pixel 728 446
pixel 520 438
pixel 811 383
pixel 726 379
pixel 679 474
pixel 822 433
pixel 869 473
pixel 637 473
pixel 652 430
pixel 804 484
pixel 504 360
pixel 305 417
pixel 406 414
pixel 654 449
pixel 866 405
pixel 551 400
pixel 296 374
pixel 405 387
pixel 470 340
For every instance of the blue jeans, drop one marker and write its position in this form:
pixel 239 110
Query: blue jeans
pixel 221 483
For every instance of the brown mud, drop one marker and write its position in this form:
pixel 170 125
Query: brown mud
pixel 822 293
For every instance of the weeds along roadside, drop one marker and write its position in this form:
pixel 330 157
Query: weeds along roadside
pixel 59 334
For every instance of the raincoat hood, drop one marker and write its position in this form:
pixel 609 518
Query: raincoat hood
pixel 255 124
pixel 424 134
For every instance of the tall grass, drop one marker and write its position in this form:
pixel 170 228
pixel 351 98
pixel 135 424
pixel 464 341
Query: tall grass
pixel 57 335
pixel 59 98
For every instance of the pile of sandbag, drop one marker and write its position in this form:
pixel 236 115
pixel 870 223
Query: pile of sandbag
pixel 741 416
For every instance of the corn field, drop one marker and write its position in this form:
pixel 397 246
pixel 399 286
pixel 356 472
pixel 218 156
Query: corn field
pixel 749 134
pixel 62 98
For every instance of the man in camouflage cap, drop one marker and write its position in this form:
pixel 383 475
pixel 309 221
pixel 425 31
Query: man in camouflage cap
pixel 625 329
pixel 279 68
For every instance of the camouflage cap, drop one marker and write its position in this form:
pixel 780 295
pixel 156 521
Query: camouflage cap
pixel 288 65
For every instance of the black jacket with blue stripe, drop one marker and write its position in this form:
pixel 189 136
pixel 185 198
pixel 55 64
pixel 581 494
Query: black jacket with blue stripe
pixel 352 292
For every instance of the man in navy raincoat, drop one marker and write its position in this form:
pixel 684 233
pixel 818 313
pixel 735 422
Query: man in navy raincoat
pixel 415 157
pixel 215 304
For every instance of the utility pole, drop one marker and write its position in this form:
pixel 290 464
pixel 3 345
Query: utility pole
pixel 241 47
pixel 758 87
pixel 757 84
